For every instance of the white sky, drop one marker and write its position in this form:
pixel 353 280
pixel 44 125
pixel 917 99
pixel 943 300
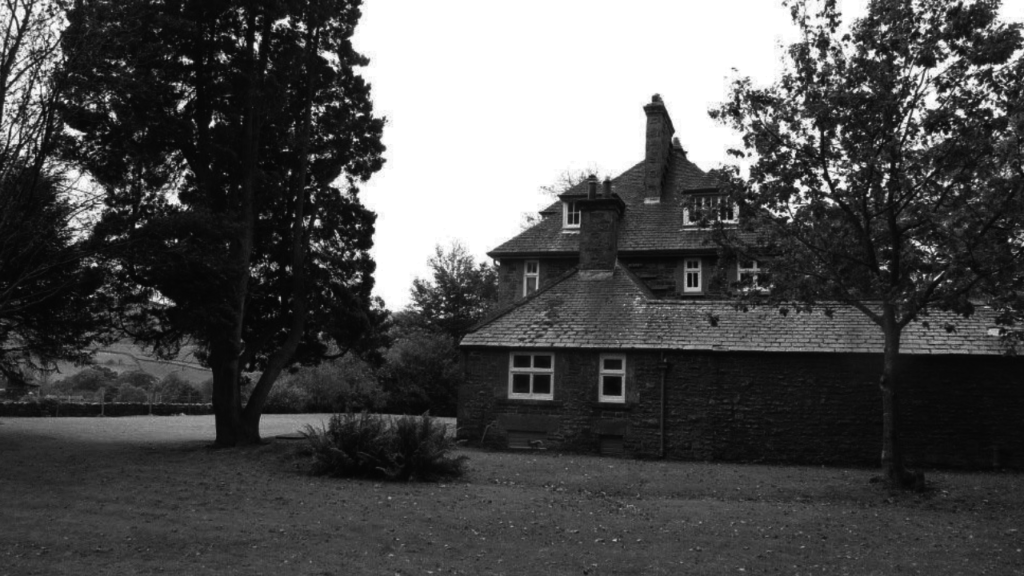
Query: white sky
pixel 486 102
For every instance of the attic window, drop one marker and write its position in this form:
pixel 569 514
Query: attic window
pixel 710 208
pixel 570 214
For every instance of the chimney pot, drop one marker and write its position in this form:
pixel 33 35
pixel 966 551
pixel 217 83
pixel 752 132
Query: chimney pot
pixel 607 192
pixel 591 187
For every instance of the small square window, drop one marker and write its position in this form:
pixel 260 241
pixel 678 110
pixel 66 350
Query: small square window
pixel 753 276
pixel 531 376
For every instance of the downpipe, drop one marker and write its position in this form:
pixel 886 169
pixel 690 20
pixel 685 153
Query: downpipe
pixel 663 367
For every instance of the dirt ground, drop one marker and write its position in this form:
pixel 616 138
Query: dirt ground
pixel 146 495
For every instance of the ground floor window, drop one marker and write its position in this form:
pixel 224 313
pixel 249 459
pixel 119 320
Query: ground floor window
pixel 531 376
pixel 612 378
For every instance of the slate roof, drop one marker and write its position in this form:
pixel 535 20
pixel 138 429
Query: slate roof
pixel 617 312
pixel 645 227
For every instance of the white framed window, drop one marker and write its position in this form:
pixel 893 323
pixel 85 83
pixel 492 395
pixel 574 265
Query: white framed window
pixel 710 208
pixel 611 380
pixel 531 277
pixel 753 275
pixel 531 376
pixel 570 214
pixel 691 275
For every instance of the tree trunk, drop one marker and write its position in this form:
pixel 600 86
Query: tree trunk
pixel 893 465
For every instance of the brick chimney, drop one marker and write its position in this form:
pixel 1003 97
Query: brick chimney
pixel 599 227
pixel 658 148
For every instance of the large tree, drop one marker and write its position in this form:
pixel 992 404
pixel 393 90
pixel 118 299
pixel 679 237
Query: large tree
pixel 48 286
pixel 229 136
pixel 885 168
pixel 459 293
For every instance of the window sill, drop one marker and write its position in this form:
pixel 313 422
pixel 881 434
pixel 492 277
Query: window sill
pixel 528 402
pixel 623 406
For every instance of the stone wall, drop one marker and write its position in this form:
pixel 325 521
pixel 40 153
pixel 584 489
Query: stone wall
pixel 958 411
pixel 510 275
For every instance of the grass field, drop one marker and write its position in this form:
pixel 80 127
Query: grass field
pixel 146 495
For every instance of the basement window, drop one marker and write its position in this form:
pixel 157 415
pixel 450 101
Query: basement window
pixel 612 378
pixel 531 376
pixel 570 215
pixel 710 208
pixel 691 270
pixel 531 277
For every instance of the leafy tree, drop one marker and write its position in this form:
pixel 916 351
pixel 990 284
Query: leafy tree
pixel 421 372
pixel 137 378
pixel 92 379
pixel 48 309
pixel 173 388
pixel 886 168
pixel 229 138
pixel 460 293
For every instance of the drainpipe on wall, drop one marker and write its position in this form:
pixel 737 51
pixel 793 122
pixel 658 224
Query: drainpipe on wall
pixel 663 366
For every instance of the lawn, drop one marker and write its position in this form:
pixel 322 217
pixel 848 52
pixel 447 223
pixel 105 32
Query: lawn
pixel 146 495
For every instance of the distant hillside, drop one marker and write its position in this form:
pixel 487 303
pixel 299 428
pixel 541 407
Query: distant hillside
pixel 127 357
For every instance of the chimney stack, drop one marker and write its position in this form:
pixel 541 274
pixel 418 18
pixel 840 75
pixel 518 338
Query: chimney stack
pixel 599 228
pixel 591 187
pixel 658 148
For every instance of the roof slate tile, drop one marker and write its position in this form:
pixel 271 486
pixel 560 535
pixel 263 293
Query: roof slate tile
pixel 616 312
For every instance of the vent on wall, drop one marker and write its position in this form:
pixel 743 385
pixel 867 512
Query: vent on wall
pixel 612 445
pixel 527 439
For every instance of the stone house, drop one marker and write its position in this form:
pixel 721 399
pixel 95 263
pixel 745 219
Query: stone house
pixel 615 337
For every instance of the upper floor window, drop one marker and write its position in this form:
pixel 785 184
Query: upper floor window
pixel 612 378
pixel 531 277
pixel 531 376
pixel 570 215
pixel 710 208
pixel 753 276
pixel 691 270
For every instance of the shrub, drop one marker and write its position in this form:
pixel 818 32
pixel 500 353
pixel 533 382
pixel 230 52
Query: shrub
pixel 421 372
pixel 411 448
pixel 175 389
pixel 129 393
pixel 286 398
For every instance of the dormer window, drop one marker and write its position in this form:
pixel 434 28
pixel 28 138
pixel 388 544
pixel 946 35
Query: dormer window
pixel 753 276
pixel 704 209
pixel 570 214
pixel 531 277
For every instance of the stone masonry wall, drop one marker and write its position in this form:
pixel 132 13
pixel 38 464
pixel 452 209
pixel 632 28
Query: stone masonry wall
pixel 510 275
pixel 765 407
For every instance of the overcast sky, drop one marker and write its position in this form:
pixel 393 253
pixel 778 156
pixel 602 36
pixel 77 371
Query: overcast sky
pixel 488 101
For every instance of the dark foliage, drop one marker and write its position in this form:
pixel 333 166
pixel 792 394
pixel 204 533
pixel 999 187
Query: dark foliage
pixel 459 293
pixel 886 170
pixel 229 138
pixel 367 446
pixel 421 373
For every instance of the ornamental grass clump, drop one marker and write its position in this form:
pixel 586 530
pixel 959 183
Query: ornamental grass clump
pixel 365 446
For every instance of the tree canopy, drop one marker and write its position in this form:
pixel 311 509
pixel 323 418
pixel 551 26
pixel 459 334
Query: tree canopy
pixel 48 285
pixel 229 138
pixel 885 167
pixel 459 293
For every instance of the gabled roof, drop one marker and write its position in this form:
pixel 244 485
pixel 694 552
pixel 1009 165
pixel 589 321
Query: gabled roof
pixel 615 311
pixel 645 227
